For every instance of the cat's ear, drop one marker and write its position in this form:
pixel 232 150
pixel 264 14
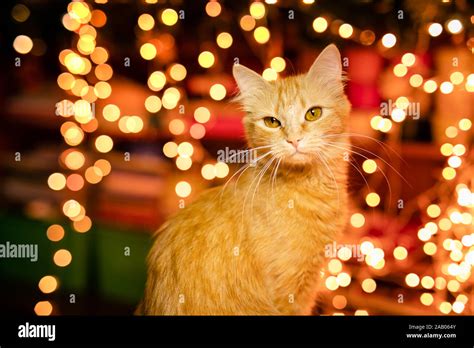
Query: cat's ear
pixel 327 66
pixel 248 80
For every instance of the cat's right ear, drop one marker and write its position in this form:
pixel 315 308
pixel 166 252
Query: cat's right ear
pixel 327 66
pixel 249 81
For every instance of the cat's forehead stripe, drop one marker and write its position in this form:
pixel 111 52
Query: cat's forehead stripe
pixel 289 95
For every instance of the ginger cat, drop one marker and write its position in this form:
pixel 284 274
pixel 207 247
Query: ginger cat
pixel 256 245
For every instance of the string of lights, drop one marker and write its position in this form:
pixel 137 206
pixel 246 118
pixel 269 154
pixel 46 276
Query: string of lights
pixel 86 80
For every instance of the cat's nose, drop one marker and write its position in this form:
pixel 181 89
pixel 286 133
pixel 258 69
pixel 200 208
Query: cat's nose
pixel 294 142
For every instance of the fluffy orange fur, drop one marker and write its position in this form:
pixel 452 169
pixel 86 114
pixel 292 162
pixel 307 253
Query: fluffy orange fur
pixel 256 245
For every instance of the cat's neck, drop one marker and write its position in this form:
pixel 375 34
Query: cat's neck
pixel 288 178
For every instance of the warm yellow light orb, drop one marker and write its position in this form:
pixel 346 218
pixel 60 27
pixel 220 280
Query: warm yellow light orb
pixel 278 64
pixel 389 40
pixel 400 70
pixel 427 299
pixel 48 284
pixel 62 257
pixel 459 149
pixel 74 160
pixel 93 175
pixel 111 112
pixel 416 80
pixel 224 40
pixel 178 72
pixel 343 279
pixel 206 59
pixel 458 307
pixel 408 59
pixel 104 72
pixel 261 35
pixel 217 91
pixel 402 102
pixel 247 23
pixel 156 81
pixel 465 124
pixel 430 248
pixel 22 44
pixel 433 210
pixel 153 104
pixel 445 307
pixel 202 114
pixel 213 8
pixel 146 22
pixel 449 173
pixel 43 308
pixel 412 280
pixel 430 86
pixel 221 169
pixel 400 253
pixel 385 125
pixel 346 31
pixel 331 283
pixel 372 199
pixel 398 115
pixel 104 143
pixel 456 78
pixel 357 220
pixel 446 87
pixel 320 24
pixel 257 10
pixel 183 163
pixel 57 181
pixel 335 266
pixel 369 285
pixel 148 51
pixel 435 29
pixel 183 189
pixel 171 98
pixel 55 233
pixel 169 17
pixel 454 26
pixel 66 81
pixel 185 149
pixel 176 126
pixel 83 225
pixel 197 131
pixel 208 172
pixel 269 74
pixel 170 149
pixel 104 166
pixel 369 166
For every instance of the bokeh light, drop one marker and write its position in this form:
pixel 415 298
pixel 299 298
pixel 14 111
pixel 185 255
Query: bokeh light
pixel 48 284
pixel 183 189
pixel 62 257
pixel 23 44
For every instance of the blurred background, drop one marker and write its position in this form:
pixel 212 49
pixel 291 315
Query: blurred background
pixel 112 114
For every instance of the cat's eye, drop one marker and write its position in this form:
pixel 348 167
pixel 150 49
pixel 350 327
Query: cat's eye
pixel 271 122
pixel 313 114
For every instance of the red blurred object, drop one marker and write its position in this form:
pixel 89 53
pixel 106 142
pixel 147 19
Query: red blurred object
pixel 363 67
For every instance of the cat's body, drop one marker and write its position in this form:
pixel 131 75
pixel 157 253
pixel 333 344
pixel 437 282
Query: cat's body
pixel 256 246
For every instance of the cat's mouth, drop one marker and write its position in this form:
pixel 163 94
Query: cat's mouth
pixel 298 156
pixel 298 152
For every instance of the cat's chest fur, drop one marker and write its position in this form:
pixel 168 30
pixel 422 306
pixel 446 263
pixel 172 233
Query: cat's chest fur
pixel 288 228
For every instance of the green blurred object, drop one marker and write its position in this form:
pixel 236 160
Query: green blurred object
pixel 104 260
pixel 121 264
pixel 17 229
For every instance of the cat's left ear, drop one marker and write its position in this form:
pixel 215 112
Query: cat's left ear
pixel 249 81
pixel 327 66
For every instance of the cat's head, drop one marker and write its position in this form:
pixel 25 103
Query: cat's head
pixel 295 117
